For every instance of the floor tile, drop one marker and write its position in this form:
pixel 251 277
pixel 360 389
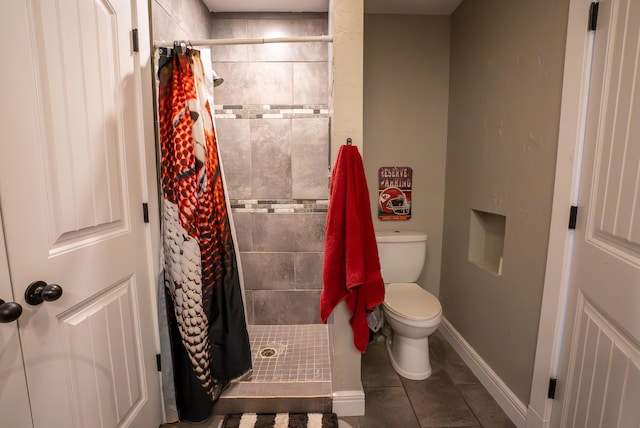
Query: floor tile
pixel 376 368
pixel 213 422
pixel 288 360
pixel 437 402
pixel 385 407
pixel 485 407
pixel 451 397
pixel 442 352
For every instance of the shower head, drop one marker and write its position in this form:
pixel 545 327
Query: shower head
pixel 217 80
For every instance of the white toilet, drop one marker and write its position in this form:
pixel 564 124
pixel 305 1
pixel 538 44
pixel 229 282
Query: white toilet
pixel 412 312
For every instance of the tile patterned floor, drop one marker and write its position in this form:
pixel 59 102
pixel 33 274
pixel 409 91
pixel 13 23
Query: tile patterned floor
pixel 451 397
pixel 290 353
pixel 288 360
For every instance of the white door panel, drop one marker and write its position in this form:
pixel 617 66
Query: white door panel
pixel 80 80
pixel 72 192
pixel 105 349
pixel 14 400
pixel 605 384
pixel 601 355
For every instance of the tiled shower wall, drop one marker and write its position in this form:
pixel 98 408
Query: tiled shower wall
pixel 180 20
pixel 273 129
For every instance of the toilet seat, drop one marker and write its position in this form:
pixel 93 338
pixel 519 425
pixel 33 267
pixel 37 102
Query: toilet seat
pixel 411 301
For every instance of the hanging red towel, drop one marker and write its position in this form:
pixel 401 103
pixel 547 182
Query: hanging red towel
pixel 351 268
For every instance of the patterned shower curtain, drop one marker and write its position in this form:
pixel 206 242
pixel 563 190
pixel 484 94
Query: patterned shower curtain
pixel 205 312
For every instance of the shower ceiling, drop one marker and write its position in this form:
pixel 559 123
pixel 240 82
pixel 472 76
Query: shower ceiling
pixel 267 6
pixel 405 7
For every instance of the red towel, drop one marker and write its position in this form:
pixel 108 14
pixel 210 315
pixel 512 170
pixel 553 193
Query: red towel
pixel 351 268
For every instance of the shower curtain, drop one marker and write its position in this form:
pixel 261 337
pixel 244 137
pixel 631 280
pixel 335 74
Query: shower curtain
pixel 204 306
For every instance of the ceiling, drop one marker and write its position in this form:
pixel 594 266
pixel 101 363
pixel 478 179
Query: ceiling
pixel 412 7
pixel 404 7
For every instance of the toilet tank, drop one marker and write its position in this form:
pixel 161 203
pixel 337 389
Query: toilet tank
pixel 402 255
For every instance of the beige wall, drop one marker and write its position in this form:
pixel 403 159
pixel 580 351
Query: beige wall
pixel 506 72
pixel 406 91
pixel 345 58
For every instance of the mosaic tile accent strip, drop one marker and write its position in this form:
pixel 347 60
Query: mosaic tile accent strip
pixel 270 111
pixel 280 206
pixel 288 360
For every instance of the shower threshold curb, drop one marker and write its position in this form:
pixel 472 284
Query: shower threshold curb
pixel 278 389
pixel 273 405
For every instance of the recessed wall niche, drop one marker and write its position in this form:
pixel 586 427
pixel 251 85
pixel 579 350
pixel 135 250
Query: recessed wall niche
pixel 486 240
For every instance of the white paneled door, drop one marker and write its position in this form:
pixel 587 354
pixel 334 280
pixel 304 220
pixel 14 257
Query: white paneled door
pixel 71 189
pixel 14 400
pixel 600 372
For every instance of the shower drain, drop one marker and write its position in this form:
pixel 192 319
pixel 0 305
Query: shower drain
pixel 271 350
pixel 268 352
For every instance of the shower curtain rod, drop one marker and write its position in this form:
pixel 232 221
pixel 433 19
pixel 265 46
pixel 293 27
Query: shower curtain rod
pixel 252 41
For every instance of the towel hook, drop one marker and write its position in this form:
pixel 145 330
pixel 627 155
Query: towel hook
pixel 349 141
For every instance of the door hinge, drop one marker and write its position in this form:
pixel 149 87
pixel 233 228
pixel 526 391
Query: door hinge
pixel 573 217
pixel 145 212
pixel 134 40
pixel 593 16
pixel 552 388
pixel 159 362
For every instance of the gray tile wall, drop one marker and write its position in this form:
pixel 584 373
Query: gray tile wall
pixel 180 20
pixel 281 258
pixel 272 123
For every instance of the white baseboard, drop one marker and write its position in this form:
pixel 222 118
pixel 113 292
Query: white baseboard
pixel 348 403
pixel 506 399
pixel 534 420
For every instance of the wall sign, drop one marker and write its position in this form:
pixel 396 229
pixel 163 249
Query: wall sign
pixel 394 192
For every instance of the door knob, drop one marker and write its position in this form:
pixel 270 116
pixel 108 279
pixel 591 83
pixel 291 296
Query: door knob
pixel 9 311
pixel 39 291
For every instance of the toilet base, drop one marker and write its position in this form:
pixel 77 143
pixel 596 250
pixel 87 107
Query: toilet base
pixel 409 357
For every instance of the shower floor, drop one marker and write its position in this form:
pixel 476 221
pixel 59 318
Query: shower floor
pixel 289 361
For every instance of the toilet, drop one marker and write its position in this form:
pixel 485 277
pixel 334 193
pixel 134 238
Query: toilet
pixel 412 312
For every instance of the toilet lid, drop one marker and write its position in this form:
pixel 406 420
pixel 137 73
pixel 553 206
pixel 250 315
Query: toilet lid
pixel 412 301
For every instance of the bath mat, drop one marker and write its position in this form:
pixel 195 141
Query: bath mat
pixel 281 420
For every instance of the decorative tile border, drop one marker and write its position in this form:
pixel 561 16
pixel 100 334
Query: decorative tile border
pixel 280 206
pixel 270 111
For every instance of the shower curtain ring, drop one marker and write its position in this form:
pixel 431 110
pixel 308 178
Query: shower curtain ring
pixel 180 46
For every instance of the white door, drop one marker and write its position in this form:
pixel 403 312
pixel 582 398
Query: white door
pixel 14 401
pixel 599 377
pixel 71 187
